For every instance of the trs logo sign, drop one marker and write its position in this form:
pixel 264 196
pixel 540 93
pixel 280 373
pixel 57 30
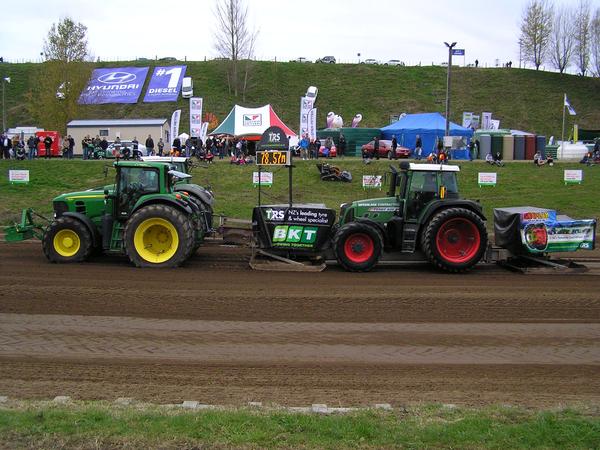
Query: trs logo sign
pixel 300 235
pixel 275 214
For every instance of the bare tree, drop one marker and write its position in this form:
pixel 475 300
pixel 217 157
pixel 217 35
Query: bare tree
pixel 536 27
pixel 234 40
pixel 582 36
pixel 562 40
pixel 595 38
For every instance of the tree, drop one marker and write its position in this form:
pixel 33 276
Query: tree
pixel 536 27
pixel 582 36
pixel 595 38
pixel 562 39
pixel 58 81
pixel 234 41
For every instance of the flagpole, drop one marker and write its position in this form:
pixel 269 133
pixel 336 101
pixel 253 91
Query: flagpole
pixel 562 140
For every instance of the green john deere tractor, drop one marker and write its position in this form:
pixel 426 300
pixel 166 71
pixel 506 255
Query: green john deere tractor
pixel 141 216
pixel 422 218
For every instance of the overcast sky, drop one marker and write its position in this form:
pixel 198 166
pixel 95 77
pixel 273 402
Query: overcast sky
pixel 410 30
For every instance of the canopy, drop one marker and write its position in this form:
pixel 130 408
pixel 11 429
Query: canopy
pixel 250 123
pixel 429 126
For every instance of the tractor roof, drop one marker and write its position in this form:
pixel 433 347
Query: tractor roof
pixel 164 158
pixel 433 167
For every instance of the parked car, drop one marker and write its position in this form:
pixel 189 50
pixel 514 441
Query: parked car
pixel 326 60
pixel 187 87
pixel 312 92
pixel 394 62
pixel 370 61
pixel 111 151
pixel 385 148
pixel 301 59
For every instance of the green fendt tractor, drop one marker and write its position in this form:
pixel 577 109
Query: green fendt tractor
pixel 422 218
pixel 141 216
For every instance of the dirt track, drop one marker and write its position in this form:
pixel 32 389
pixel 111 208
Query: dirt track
pixel 217 332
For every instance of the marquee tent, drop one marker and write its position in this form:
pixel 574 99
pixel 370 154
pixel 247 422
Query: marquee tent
pixel 429 126
pixel 250 123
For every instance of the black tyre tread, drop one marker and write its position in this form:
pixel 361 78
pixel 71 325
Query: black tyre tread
pixel 62 223
pixel 430 230
pixel 180 221
pixel 352 228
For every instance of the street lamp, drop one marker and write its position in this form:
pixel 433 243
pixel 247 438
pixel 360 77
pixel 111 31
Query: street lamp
pixel 4 81
pixel 450 47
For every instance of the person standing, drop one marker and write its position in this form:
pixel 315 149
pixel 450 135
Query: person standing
pixel 471 149
pixel 47 146
pixel 150 145
pixel 135 144
pixel 161 146
pixel 70 146
pixel 303 144
pixel 341 145
pixel 394 147
pixel 419 147
pixel 376 147
pixel 6 145
pixel 31 147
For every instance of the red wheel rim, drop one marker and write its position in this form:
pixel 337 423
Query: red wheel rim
pixel 359 248
pixel 458 240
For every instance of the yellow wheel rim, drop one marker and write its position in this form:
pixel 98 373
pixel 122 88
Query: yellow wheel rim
pixel 67 243
pixel 156 240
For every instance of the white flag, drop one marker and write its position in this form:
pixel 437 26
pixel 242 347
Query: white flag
pixel 569 107
pixel 175 125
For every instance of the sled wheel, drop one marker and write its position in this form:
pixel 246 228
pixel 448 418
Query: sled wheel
pixel 357 246
pixel 67 240
pixel 455 239
pixel 158 236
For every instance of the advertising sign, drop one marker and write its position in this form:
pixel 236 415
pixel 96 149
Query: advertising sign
pixel 487 178
pixel 196 117
pixel 252 120
pixel 298 227
pixel 175 125
pixel 165 84
pixel 486 121
pixel 18 176
pixel 544 232
pixel 312 123
pixel 573 176
pixel 266 179
pixel 466 120
pixel 114 85
pixel 274 138
pixel 372 181
pixel 458 52
pixel 306 105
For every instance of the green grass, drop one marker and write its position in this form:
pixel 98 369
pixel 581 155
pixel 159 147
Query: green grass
pixel 522 99
pixel 519 184
pixel 434 426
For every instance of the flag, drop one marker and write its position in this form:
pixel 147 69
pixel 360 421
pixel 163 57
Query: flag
pixel 569 107
pixel 7 79
pixel 175 125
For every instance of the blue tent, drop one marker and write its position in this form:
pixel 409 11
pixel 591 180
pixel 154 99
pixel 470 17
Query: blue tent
pixel 429 126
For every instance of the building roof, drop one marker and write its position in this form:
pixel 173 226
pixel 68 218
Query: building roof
pixel 116 123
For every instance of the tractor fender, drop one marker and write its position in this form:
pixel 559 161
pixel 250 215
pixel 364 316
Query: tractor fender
pixel 201 192
pixel 437 205
pixel 91 226
pixel 376 225
pixel 165 200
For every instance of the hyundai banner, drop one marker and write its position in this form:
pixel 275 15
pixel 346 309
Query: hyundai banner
pixel 196 117
pixel 165 84
pixel 114 85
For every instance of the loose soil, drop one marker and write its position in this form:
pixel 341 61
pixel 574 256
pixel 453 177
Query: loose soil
pixel 217 332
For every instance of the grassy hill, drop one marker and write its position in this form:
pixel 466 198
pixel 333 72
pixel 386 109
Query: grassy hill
pixel 522 99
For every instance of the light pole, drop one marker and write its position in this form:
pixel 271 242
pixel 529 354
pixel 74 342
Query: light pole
pixel 4 81
pixel 450 47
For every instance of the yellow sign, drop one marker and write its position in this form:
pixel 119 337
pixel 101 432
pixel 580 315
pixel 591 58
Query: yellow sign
pixel 273 158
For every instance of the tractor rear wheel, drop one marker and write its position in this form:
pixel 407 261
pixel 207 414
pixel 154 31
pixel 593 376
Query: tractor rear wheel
pixel 455 239
pixel 67 240
pixel 159 236
pixel 357 246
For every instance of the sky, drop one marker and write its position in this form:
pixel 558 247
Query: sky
pixel 408 30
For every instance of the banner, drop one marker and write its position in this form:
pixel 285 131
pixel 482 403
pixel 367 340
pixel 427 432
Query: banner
pixel 18 176
pixel 573 176
pixel 466 120
pixel 196 117
pixel 204 131
pixel 486 121
pixel 266 179
pixel 175 125
pixel 545 232
pixel 165 84
pixel 114 85
pixel 487 179
pixel 372 181
pixel 312 124
pixel 306 104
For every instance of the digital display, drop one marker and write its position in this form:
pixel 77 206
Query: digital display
pixel 272 158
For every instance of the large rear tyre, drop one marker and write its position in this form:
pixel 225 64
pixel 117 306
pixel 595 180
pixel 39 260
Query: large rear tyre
pixel 455 239
pixel 67 240
pixel 357 246
pixel 159 236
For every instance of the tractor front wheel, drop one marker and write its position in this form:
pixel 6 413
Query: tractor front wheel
pixel 357 246
pixel 67 240
pixel 159 236
pixel 455 239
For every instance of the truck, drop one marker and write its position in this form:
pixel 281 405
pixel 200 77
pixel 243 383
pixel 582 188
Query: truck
pixel 142 216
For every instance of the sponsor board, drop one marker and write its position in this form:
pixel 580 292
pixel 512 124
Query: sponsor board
pixel 372 181
pixel 165 84
pixel 552 235
pixel 487 178
pixel 196 117
pixel 18 176
pixel 114 85
pixel 266 179
pixel 573 176
pixel 252 120
pixel 294 236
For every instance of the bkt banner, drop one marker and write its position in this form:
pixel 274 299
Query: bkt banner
pixel 165 84
pixel 116 85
